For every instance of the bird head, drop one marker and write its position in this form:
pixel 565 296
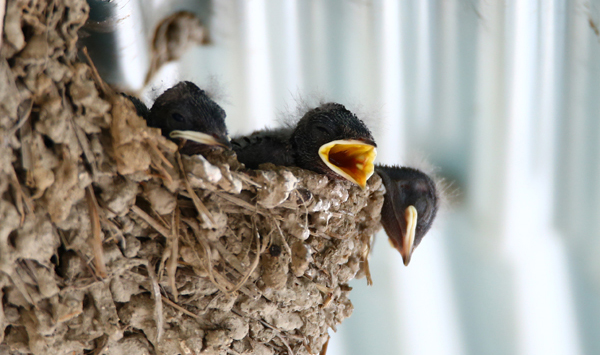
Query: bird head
pixel 331 140
pixel 410 205
pixel 186 111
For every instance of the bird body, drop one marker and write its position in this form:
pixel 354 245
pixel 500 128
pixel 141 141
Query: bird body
pixel 264 146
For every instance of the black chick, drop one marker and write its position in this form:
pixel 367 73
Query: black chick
pixel 140 108
pixel 410 205
pixel 186 111
pixel 328 139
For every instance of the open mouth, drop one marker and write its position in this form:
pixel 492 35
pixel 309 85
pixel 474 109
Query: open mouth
pixel 351 159
pixel 198 137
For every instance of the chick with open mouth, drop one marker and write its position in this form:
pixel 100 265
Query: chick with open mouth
pixel 328 139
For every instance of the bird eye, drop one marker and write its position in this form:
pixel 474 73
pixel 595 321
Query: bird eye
pixel 177 117
pixel 323 129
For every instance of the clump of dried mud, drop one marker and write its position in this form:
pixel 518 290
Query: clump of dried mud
pixel 113 243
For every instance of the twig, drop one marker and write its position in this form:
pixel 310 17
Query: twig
pixel 239 202
pixel 23 115
pixel 199 205
pixel 172 263
pixel 157 151
pixel 287 247
pixel 114 230
pixel 305 209
pixel 365 257
pixel 20 285
pixel 105 90
pixel 179 308
pixel 20 196
pixel 84 144
pixel 212 275
pixel 163 172
pixel 259 250
pixel 151 221
pixel 96 238
pixel 324 348
pixel 158 309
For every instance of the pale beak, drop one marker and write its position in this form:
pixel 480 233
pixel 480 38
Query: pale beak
pixel 198 137
pixel 351 159
pixel 408 240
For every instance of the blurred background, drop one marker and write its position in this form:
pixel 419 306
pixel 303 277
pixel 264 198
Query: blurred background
pixel 503 96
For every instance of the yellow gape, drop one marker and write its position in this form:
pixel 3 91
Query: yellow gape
pixel 351 159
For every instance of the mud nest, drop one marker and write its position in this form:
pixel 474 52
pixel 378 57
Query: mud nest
pixel 113 243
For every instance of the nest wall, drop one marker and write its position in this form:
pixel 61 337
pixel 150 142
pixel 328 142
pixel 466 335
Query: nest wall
pixel 111 242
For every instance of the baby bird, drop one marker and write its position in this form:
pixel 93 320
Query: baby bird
pixel 410 205
pixel 186 111
pixel 328 139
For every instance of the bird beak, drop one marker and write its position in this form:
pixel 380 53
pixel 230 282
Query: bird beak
pixel 351 159
pixel 201 138
pixel 408 239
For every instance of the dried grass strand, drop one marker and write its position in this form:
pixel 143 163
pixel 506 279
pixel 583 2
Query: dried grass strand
pixel 202 210
pixel 20 197
pixel 97 78
pixel 151 221
pixel 96 233
pixel 179 308
pixel 239 202
pixel 158 153
pixel 158 307
pixel 174 246
pixel 259 250
pixel 84 144
pixel 324 348
pixel 212 275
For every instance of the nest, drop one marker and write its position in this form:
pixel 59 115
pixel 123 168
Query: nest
pixel 112 242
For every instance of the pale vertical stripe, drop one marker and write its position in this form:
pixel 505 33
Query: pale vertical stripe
pixel 576 156
pixel 358 82
pixel 544 306
pixel 449 128
pixel 485 180
pixel 392 135
pixel 315 52
pixel 293 74
pixel 424 66
pixel 131 44
pixel 425 292
pixel 259 95
pixel 424 289
pixel 2 10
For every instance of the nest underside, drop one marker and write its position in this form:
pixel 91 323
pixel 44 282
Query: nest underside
pixel 113 243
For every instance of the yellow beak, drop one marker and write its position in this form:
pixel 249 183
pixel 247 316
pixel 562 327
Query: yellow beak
pixel 410 214
pixel 351 159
